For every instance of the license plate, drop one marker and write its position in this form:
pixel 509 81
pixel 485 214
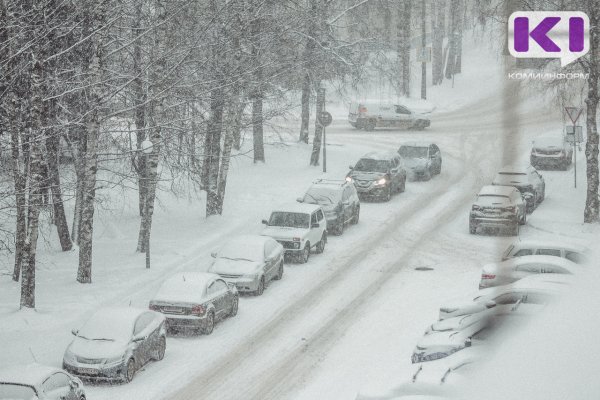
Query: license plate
pixel 171 309
pixel 88 371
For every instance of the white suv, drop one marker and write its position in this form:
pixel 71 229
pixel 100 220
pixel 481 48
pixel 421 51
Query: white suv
pixel 299 228
pixel 368 115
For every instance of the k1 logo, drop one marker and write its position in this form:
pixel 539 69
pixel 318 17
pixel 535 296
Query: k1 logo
pixel 549 34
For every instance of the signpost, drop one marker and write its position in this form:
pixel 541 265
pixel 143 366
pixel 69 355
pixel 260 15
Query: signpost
pixel 574 134
pixel 324 119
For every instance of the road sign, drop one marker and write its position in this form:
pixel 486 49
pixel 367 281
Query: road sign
pixel 424 54
pixel 574 134
pixel 324 118
pixel 574 113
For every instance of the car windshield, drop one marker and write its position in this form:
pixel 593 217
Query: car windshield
pixel 511 178
pixel 239 250
pixel 492 199
pixel 413 152
pixel 370 165
pixel 548 142
pixel 104 327
pixel 289 219
pixel 323 196
pixel 16 392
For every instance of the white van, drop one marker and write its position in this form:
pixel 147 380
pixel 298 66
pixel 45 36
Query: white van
pixel 369 115
pixel 576 253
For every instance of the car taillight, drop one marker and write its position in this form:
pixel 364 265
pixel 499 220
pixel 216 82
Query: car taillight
pixel 488 276
pixel 198 309
pixel 362 109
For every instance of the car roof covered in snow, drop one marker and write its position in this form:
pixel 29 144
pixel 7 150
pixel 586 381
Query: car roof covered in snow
pixel 185 287
pixel 496 190
pixel 380 155
pixel 415 143
pixel 302 208
pixel 515 169
pixel 550 244
pixel 30 374
pixel 540 259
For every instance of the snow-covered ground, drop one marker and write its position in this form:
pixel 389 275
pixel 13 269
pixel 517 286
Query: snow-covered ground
pixel 349 318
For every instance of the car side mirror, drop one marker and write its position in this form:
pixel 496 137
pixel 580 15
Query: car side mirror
pixel 490 304
pixel 315 225
pixel 74 332
pixel 300 200
pixel 265 222
pixel 213 254
pixel 351 166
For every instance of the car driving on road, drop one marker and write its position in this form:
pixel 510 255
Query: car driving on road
pixel 498 207
pixel 299 228
pixel 116 342
pixel 551 151
pixel 527 180
pixel 249 262
pixel 369 115
pixel 39 382
pixel 378 175
pixel 422 160
pixel 339 200
pixel 196 301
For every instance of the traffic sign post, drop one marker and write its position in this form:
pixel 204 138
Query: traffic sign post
pixel 324 118
pixel 574 134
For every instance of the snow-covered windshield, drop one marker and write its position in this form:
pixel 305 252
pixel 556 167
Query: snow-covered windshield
pixel 490 200
pixel 510 178
pixel 239 250
pixel 101 327
pixel 12 391
pixel 413 152
pixel 289 219
pixel 322 195
pixel 370 165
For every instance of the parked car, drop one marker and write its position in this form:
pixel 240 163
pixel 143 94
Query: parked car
pixel 509 271
pixel 115 343
pixel 577 253
pixel 39 382
pixel 535 289
pixel 196 301
pixel 339 200
pixel 498 207
pixel 422 160
pixel 446 370
pixel 525 178
pixel 249 262
pixel 369 115
pixel 474 322
pixel 551 151
pixel 378 175
pixel 441 344
pixel 299 228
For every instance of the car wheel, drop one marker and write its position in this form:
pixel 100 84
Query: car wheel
pixel 388 194
pixel 402 186
pixel 356 216
pixel 515 230
pixel 160 349
pixel 261 287
pixel 323 242
pixel 279 272
pixel 305 255
pixel 234 307
pixel 370 125
pixel 472 229
pixel 209 325
pixel 339 228
pixel 129 371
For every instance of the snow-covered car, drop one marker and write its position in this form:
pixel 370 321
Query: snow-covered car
pixel 577 253
pixel 511 270
pixel 441 344
pixel 39 382
pixel 551 151
pixel 422 160
pixel 115 343
pixel 339 200
pixel 369 115
pixel 447 369
pixel 378 175
pixel 498 207
pixel 474 322
pixel 530 183
pixel 249 262
pixel 299 228
pixel 534 289
pixel 196 301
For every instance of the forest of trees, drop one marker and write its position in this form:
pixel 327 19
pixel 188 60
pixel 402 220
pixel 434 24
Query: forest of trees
pixel 157 94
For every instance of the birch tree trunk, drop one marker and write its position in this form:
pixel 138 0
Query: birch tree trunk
pixel 257 95
pixel 320 107
pixel 404 31
pixel 439 27
pixel 305 114
pixel 140 100
pixel 215 125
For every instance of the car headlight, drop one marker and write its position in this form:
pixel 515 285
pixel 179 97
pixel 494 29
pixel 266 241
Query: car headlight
pixel 380 182
pixel 348 179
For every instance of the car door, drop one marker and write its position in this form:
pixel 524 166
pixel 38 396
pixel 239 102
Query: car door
pixel 271 259
pixel 142 348
pixel 436 156
pixel 58 387
pixel 404 117
pixel 518 201
pixel 221 297
pixel 347 206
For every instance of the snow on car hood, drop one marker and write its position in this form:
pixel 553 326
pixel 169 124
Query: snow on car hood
pixel 234 267
pixel 366 176
pixel 97 349
pixel 415 162
pixel 284 233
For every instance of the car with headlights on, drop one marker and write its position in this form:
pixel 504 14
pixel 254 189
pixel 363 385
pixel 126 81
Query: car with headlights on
pixel 116 342
pixel 299 228
pixel 339 200
pixel 534 289
pixel 249 262
pixel 195 301
pixel 422 160
pixel 551 151
pixel 378 175
pixel 578 253
pixel 511 270
pixel 498 207
pixel 39 382
pixel 527 180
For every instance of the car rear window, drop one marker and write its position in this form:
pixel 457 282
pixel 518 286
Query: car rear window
pixel 492 199
pixel 523 252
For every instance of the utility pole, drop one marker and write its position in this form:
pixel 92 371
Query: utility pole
pixel 423 49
